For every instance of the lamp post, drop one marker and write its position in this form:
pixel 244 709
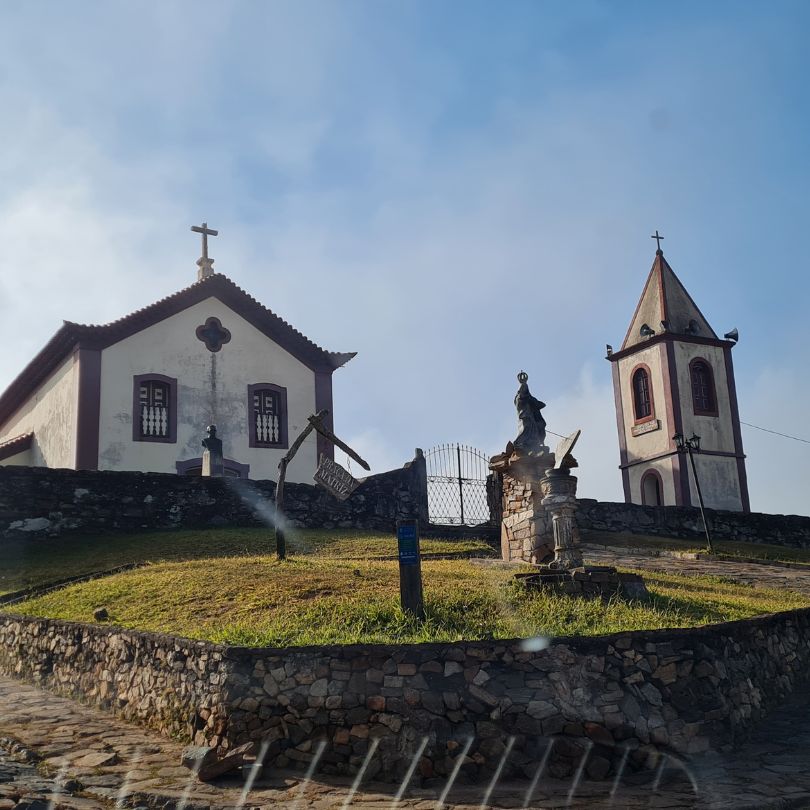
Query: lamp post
pixel 692 446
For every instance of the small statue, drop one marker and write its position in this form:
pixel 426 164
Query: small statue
pixel 531 436
pixel 212 442
pixel 212 460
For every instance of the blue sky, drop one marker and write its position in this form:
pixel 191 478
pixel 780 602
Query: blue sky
pixel 454 190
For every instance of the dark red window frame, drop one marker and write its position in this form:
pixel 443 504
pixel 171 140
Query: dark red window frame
pixel 642 394
pixel 704 393
pixel 171 426
pixel 281 393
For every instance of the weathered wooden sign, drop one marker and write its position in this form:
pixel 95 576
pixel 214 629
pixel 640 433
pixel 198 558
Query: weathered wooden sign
pixel 335 479
pixel 316 422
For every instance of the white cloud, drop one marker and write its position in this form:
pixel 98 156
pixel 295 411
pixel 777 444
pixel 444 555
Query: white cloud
pixel 355 199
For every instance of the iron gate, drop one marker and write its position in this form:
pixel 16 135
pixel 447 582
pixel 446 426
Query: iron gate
pixel 457 485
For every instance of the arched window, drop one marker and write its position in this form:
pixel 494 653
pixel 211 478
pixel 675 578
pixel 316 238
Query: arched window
pixel 642 396
pixel 267 415
pixel 704 400
pixel 154 409
pixel 651 491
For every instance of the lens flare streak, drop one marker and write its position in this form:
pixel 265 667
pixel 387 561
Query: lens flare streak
pixel 540 770
pixel 578 774
pixel 123 792
pixel 255 770
pixel 361 773
pixel 299 795
pixel 497 775
pixel 409 775
pixel 453 776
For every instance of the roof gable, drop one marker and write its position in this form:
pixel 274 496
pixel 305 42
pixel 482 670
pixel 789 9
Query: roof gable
pixel 665 299
pixel 73 335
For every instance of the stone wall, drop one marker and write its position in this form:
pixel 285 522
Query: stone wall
pixel 685 522
pixel 673 691
pixel 526 532
pixel 36 501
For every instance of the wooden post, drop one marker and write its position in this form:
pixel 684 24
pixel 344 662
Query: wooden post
pixel 315 423
pixel 410 568
pixel 281 540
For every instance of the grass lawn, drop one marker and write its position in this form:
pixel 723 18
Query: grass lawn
pixel 35 562
pixel 320 599
pixel 730 548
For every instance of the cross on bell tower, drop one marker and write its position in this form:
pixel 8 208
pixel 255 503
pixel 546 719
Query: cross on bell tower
pixel 205 263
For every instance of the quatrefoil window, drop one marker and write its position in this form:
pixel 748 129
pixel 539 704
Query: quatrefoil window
pixel 213 334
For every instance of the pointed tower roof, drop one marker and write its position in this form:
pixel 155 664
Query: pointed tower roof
pixel 666 299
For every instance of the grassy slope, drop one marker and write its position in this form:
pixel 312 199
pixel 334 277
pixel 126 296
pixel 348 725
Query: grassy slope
pixel 28 562
pixel 317 599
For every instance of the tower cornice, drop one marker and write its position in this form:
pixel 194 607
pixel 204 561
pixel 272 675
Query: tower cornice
pixel 670 337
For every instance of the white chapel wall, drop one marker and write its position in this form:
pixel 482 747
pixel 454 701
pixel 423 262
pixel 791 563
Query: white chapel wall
pixel 212 388
pixel 50 413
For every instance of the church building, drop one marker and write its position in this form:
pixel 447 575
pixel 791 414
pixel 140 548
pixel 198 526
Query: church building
pixel 138 393
pixel 673 379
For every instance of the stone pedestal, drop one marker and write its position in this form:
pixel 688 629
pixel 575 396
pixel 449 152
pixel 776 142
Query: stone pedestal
pixel 592 581
pixel 526 530
pixel 559 490
pixel 213 463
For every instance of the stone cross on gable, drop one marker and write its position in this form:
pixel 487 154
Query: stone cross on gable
pixel 205 263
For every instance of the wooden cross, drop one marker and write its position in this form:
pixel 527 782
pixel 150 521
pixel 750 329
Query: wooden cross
pixel 206 232
pixel 658 239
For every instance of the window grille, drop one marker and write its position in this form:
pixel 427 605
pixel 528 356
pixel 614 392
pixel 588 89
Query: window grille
pixel 267 416
pixel 702 388
pixel 154 405
pixel 641 394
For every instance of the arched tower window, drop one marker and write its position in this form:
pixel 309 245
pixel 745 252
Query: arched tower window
pixel 642 395
pixel 651 489
pixel 704 399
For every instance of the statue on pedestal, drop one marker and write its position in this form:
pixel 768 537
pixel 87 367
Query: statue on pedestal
pixel 213 463
pixel 531 438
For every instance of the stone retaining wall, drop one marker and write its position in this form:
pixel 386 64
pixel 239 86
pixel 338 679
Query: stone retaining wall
pixel 685 522
pixel 673 691
pixel 36 501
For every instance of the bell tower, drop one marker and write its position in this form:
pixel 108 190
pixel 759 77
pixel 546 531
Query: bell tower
pixel 674 375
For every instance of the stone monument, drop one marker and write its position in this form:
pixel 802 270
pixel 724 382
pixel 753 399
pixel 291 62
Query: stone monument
pixel 526 529
pixel 213 465
pixel 539 505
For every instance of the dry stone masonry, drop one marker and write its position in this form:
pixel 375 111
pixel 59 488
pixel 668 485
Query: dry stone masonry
pixel 35 501
pixel 673 691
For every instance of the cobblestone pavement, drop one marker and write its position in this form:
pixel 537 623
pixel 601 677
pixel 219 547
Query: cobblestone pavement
pixel 97 761
pixel 751 573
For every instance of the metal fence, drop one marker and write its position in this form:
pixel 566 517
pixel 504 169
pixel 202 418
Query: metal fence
pixel 457 485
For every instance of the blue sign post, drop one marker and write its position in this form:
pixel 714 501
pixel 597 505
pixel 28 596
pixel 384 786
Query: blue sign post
pixel 410 568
